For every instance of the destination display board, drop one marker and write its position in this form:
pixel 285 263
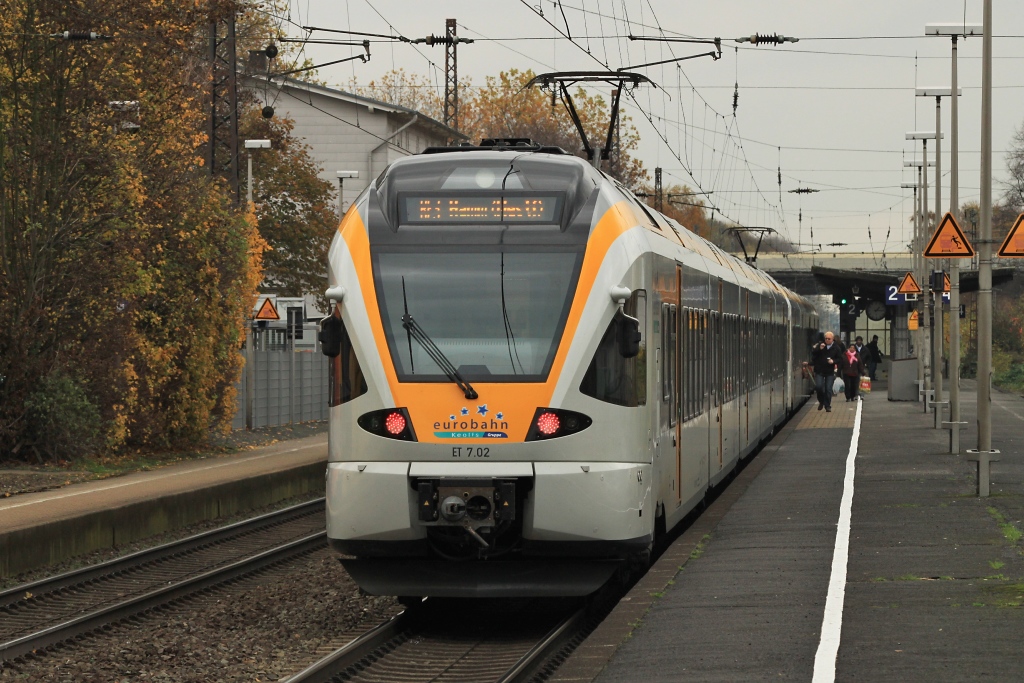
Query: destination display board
pixel 440 209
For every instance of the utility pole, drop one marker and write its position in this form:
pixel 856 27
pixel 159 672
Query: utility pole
pixel 451 75
pixel 222 147
pixel 928 364
pixel 985 245
pixel 658 197
pixel 954 31
pixel 937 296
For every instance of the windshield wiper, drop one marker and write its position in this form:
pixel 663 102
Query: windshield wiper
pixel 414 331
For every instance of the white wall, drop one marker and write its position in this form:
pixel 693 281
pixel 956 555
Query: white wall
pixel 342 134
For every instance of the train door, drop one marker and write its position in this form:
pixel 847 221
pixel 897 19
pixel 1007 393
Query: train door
pixel 668 422
pixel 677 366
pixel 715 339
pixel 744 355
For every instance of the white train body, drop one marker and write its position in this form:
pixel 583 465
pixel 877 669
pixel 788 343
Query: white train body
pixel 524 271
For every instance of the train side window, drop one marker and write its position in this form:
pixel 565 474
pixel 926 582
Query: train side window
pixel 345 378
pixel 612 378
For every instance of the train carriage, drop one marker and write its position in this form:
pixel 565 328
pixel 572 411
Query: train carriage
pixel 533 374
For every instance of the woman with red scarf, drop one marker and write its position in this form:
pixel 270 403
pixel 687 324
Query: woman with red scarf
pixel 853 369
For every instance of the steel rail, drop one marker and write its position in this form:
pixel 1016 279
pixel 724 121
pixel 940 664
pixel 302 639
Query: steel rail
pixel 354 651
pixel 547 648
pixel 388 636
pixel 161 596
pixel 156 553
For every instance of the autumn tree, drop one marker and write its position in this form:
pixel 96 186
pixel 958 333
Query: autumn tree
pixel 125 270
pixel 505 108
pixel 406 90
pixel 294 207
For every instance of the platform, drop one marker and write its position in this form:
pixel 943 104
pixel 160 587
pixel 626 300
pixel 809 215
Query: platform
pixel 37 529
pixel 933 586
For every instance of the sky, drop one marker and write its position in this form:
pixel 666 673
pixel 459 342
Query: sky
pixel 830 111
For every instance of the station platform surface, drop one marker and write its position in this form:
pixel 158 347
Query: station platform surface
pixel 933 587
pixel 42 528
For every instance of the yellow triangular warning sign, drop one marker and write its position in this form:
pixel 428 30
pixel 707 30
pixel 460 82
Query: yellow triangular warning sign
pixel 912 321
pixel 1013 245
pixel 908 285
pixel 945 282
pixel 267 311
pixel 948 241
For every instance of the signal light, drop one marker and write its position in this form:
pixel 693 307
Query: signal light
pixel 548 424
pixel 391 423
pixel 394 423
pixel 551 423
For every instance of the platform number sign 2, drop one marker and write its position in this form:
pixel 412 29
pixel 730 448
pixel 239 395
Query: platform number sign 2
pixel 892 297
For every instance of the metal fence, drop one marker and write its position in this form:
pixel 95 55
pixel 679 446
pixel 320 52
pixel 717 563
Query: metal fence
pixel 282 386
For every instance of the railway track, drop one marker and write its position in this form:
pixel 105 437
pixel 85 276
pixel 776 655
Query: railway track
pixel 450 641
pixel 43 613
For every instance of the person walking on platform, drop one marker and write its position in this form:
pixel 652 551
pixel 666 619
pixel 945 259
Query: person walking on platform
pixel 853 368
pixel 874 357
pixel 826 358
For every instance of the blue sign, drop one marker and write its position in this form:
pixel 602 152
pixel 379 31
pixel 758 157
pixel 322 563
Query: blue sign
pixel 893 298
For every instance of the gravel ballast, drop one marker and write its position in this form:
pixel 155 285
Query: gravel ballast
pixel 262 628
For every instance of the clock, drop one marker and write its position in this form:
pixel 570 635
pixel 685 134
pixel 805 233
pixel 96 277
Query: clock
pixel 876 310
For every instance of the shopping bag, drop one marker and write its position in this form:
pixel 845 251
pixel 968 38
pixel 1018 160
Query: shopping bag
pixel 838 386
pixel 865 385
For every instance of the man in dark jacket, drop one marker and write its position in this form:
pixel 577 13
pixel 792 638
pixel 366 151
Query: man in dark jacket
pixel 874 356
pixel 827 360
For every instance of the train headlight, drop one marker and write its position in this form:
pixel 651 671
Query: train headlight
pixel 391 423
pixel 551 423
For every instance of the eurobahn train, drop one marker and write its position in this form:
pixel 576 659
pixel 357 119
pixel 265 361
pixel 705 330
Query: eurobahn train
pixel 533 374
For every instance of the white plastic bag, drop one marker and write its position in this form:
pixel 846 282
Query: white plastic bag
pixel 838 386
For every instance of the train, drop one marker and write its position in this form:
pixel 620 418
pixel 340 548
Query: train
pixel 534 375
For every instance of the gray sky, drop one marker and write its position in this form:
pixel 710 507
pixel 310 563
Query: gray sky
pixel 837 108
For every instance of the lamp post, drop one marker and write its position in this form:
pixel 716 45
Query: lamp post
pixel 250 342
pixel 341 189
pixel 954 30
pixel 913 252
pixel 924 137
pixel 253 144
pixel 937 317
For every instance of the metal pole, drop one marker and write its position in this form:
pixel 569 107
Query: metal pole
pixel 916 269
pixel 954 270
pixel 248 190
pixel 926 339
pixel 341 197
pixel 985 244
pixel 937 296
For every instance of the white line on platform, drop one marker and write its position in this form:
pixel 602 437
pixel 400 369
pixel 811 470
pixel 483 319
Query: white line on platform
pixel 240 461
pixel 832 623
pixel 1011 412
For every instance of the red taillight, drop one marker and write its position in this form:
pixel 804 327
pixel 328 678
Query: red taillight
pixel 395 423
pixel 548 424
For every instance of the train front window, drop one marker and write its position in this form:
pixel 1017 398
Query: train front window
pixel 496 316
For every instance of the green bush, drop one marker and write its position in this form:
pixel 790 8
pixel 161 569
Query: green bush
pixel 62 421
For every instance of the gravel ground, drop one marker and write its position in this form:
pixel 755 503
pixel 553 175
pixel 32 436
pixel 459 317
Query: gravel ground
pixel 105 554
pixel 259 629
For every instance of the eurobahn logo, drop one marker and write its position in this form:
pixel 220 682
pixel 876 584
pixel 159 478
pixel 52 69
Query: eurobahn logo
pixel 463 425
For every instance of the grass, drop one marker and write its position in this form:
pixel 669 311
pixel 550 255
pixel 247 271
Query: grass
pixel 1011 533
pixel 699 550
